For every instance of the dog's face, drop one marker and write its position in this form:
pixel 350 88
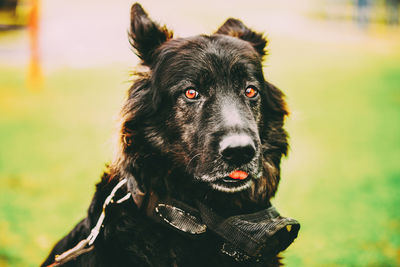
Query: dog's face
pixel 212 86
pixel 208 106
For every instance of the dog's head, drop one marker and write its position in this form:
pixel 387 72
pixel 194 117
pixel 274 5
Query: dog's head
pixel 204 106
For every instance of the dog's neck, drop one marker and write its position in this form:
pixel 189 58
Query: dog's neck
pixel 232 219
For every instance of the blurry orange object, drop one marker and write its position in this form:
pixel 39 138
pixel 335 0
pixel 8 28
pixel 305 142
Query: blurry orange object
pixel 34 73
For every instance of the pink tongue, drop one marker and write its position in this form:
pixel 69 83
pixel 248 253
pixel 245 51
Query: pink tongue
pixel 238 175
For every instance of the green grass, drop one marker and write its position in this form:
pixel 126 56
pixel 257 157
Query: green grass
pixel 341 179
pixel 54 144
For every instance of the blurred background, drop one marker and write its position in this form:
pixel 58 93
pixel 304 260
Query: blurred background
pixel 64 71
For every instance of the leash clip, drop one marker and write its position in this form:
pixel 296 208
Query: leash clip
pixel 229 250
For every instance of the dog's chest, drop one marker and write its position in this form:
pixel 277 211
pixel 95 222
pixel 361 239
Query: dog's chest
pixel 141 242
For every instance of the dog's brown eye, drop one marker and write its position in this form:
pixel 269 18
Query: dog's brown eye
pixel 251 92
pixel 191 94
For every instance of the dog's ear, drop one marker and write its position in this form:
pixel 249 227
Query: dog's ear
pixel 236 28
pixel 146 35
pixel 275 100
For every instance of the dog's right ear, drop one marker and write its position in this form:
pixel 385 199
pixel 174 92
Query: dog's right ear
pixel 146 35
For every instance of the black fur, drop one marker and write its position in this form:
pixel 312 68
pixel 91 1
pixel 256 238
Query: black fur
pixel 171 145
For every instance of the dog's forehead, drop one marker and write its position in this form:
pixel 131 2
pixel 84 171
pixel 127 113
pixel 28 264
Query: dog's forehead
pixel 206 47
pixel 202 57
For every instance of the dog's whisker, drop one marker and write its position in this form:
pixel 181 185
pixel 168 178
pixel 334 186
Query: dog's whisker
pixel 197 155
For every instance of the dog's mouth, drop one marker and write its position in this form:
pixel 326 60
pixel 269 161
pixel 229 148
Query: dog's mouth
pixel 235 181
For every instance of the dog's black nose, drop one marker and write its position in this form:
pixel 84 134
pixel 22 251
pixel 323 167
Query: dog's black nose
pixel 237 149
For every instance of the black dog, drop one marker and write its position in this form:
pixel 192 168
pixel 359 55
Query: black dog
pixel 200 147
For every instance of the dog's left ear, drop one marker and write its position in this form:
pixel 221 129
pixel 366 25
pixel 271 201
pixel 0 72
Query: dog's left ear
pixel 275 100
pixel 146 35
pixel 236 28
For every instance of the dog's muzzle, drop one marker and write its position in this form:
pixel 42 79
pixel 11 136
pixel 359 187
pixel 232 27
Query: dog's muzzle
pixel 243 237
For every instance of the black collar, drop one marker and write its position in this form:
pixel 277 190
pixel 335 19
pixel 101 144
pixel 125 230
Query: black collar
pixel 243 237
